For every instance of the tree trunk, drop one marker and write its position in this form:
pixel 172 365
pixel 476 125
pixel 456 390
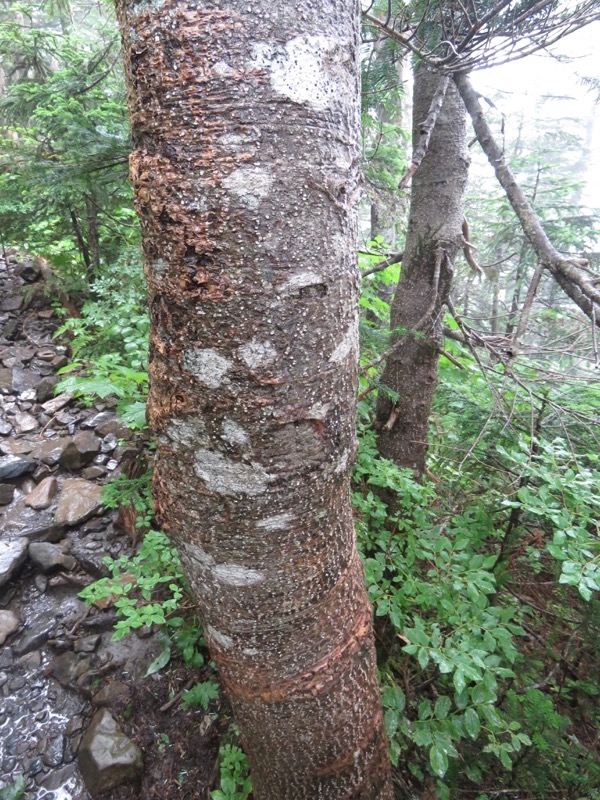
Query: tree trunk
pixel 245 169
pixel 433 238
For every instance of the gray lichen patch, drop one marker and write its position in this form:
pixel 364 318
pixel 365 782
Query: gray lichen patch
pixel 300 281
pixel 237 575
pixel 277 522
pixel 197 553
pixel 349 344
pixel 228 477
pixel 233 433
pixel 220 639
pixel 207 365
pixel 188 431
pixel 257 354
pixel 304 70
pixel 249 184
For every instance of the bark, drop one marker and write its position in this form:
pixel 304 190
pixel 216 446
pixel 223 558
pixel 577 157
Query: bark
pixel 433 238
pixel 245 169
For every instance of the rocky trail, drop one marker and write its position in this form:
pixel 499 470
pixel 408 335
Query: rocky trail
pixel 77 716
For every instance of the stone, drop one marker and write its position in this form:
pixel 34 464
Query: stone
pixel 49 557
pixel 41 497
pixel 91 473
pixel 29 270
pixel 12 302
pixel 6 379
pixel 79 500
pixel 9 623
pixel 86 644
pixel 14 466
pixel 58 402
pixel 107 758
pixel 67 667
pixel 25 422
pixel 112 693
pixel 81 451
pixel 36 633
pixel 5 427
pixel 12 556
pixel 36 526
pixel 23 379
pixel 49 451
pixel 7 492
pixel 45 389
pixel 100 418
pixel 15 447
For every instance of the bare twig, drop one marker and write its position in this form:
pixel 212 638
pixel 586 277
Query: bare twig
pixel 425 130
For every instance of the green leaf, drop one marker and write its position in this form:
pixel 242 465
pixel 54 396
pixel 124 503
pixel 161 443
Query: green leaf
pixel 159 662
pixel 472 723
pixel 442 707
pixel 438 760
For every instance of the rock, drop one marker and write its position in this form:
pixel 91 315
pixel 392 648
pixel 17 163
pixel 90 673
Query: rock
pixel 49 451
pixel 9 623
pixel 107 758
pixel 112 693
pixel 90 473
pixel 59 361
pixel 49 557
pixel 80 451
pixel 41 497
pixel 7 492
pixel 45 388
pixel 37 526
pixel 101 418
pixel 12 555
pixel 29 270
pixel 15 447
pixel 23 379
pixel 13 466
pixel 5 427
pixel 86 644
pixel 11 303
pixel 79 500
pixel 67 667
pixel 25 422
pixel 34 636
pixel 6 379
pixel 54 405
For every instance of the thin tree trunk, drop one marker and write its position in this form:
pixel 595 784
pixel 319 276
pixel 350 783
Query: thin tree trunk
pixel 245 126
pixel 434 236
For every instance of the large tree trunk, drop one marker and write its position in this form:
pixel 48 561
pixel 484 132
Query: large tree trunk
pixel 245 126
pixel 433 238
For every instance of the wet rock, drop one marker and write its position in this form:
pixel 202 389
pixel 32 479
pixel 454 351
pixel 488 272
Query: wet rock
pixel 9 623
pixel 114 426
pixel 109 443
pixel 99 419
pixel 113 693
pixel 25 422
pixel 15 447
pixel 91 473
pixel 81 451
pixel 12 556
pixel 41 497
pixel 58 402
pixel 31 661
pixel 45 389
pixel 49 451
pixel 34 636
pixel 6 379
pixel 13 466
pixel 68 667
pixel 48 557
pixel 5 427
pixel 23 379
pixel 53 751
pixel 41 582
pixel 86 644
pixel 92 563
pixel 29 270
pixel 107 758
pixel 37 526
pixel 79 500
pixel 7 492
pixel 11 303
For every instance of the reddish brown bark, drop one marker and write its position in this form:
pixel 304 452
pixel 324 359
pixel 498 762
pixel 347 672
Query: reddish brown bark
pixel 245 126
pixel 433 239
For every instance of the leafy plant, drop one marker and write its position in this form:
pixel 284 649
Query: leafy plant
pixel 14 791
pixel 201 695
pixel 235 782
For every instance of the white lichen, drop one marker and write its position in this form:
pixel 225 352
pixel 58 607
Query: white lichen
pixel 207 365
pixel 307 69
pixel 319 410
pixel 349 344
pixel 277 522
pixel 197 553
pixel 249 184
pixel 228 477
pixel 237 575
pixel 300 280
pixel 233 433
pixel 256 354
pixel 221 639
pixel 189 431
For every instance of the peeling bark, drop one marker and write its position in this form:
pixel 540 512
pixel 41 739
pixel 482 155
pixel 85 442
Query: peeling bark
pixel 245 170
pixel 434 237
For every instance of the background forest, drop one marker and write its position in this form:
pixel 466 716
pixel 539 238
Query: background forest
pixel 483 571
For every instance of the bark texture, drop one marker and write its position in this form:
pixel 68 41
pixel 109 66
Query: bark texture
pixel 245 169
pixel 433 238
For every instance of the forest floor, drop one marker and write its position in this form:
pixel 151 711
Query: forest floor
pixel 58 662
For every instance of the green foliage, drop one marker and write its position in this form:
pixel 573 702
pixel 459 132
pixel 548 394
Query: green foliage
pixel 200 695
pixel 15 791
pixel 235 783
